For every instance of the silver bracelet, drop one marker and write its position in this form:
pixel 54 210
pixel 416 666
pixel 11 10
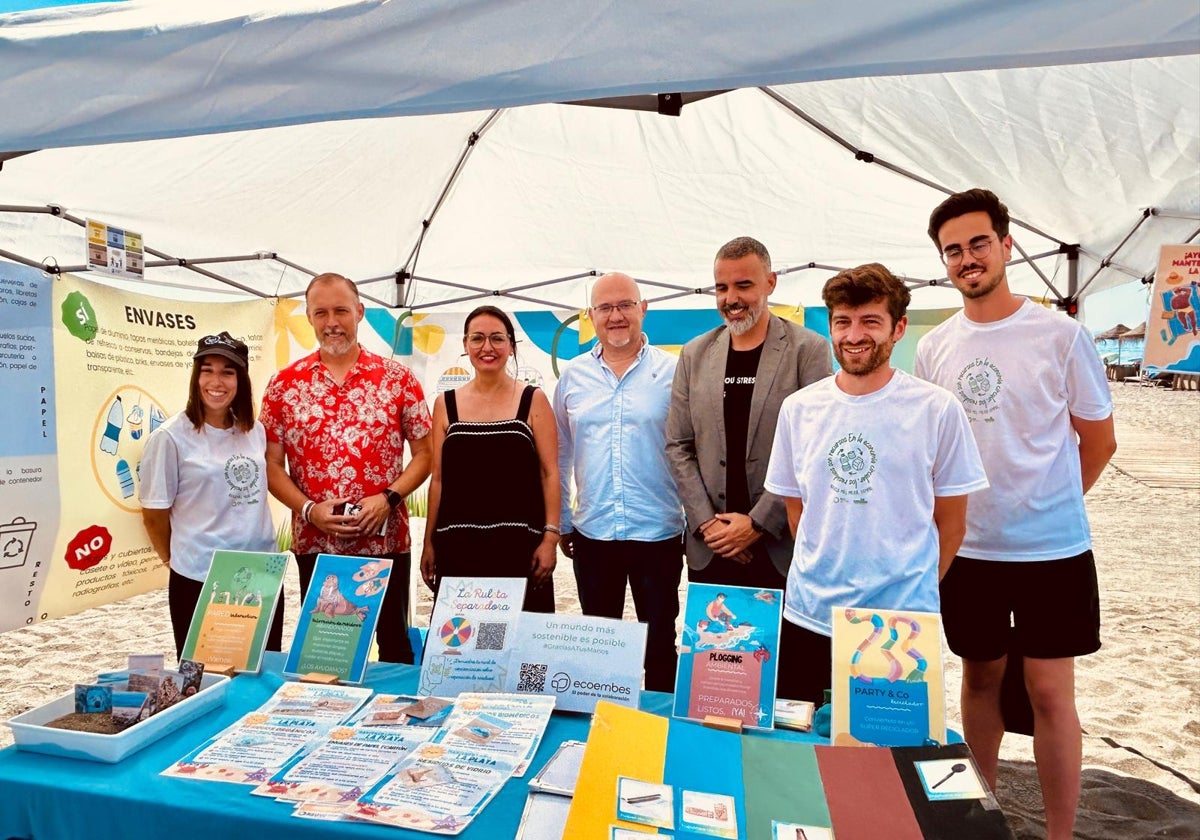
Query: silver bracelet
pixel 306 510
pixel 553 529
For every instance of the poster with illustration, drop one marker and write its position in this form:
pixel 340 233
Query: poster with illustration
pixel 236 607
pixel 1172 333
pixel 470 638
pixel 338 617
pixel 729 654
pixel 888 687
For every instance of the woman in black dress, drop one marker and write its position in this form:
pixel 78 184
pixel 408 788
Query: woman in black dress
pixel 494 494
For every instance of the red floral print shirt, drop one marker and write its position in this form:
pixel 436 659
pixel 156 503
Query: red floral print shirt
pixel 345 441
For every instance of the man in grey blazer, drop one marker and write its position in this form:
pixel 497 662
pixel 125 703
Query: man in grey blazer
pixel 725 400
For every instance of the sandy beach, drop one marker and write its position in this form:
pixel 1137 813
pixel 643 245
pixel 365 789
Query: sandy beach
pixel 1138 698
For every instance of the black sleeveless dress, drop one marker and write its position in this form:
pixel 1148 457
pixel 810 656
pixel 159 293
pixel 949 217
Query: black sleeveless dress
pixel 491 512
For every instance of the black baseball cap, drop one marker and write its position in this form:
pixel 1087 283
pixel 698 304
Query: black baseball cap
pixel 223 344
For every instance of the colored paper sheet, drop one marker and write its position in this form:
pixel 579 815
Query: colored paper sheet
pixel 782 782
pixel 941 815
pixel 622 742
pixel 865 795
pixel 338 617
pixel 705 760
pixel 888 687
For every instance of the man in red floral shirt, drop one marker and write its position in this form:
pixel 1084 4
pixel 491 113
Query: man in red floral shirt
pixel 336 425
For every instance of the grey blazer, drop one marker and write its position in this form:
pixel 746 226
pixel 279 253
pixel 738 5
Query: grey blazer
pixel 792 357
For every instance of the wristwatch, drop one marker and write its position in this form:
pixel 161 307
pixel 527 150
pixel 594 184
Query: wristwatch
pixel 393 498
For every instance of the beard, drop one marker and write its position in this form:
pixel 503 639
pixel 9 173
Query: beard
pixel 338 344
pixel 865 363
pixel 984 285
pixel 741 326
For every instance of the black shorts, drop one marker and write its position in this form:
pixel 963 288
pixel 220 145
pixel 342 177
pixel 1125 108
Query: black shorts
pixel 1051 608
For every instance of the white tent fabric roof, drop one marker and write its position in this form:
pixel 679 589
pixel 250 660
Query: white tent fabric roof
pixel 548 191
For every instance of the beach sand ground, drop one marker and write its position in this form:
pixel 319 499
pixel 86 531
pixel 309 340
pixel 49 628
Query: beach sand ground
pixel 1138 697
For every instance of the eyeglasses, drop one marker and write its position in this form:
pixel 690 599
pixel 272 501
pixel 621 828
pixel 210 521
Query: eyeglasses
pixel 497 340
pixel 953 255
pixel 625 307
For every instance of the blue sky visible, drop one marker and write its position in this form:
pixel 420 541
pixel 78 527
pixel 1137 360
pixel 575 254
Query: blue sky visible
pixel 26 5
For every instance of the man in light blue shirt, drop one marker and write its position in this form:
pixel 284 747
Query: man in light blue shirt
pixel 611 406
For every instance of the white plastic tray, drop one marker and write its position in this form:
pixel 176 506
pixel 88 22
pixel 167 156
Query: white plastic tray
pixel 30 732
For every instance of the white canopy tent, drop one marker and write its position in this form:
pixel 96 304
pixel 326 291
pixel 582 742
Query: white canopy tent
pixel 353 141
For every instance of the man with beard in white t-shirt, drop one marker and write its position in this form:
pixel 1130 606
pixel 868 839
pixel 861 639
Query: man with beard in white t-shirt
pixel 1036 394
pixel 874 467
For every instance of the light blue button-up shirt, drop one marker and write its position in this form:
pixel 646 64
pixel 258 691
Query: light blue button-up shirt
pixel 612 440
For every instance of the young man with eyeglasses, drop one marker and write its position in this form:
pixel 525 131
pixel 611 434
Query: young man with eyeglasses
pixel 611 407
pixel 336 424
pixel 1040 408
pixel 729 385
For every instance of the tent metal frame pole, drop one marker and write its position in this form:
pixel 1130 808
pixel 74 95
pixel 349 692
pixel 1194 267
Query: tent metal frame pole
pixel 17 258
pixel 869 157
pixel 1037 269
pixel 409 269
pixel 1107 261
pixel 1171 214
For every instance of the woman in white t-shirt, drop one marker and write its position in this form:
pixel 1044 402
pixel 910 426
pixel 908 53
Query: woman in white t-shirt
pixel 204 480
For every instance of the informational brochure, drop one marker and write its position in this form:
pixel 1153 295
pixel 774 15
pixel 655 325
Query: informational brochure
pixel 338 617
pixel 579 660
pixel 729 655
pixel 469 645
pixel 500 724
pixel 439 788
pixel 343 765
pixel 250 751
pixel 888 687
pixel 236 607
pixel 330 703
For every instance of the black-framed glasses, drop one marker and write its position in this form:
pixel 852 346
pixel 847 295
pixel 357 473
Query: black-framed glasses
pixel 497 340
pixel 625 307
pixel 979 249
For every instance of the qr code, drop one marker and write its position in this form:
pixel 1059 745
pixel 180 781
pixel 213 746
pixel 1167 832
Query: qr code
pixel 533 678
pixel 490 635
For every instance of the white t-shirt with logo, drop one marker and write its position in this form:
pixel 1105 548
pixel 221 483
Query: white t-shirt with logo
pixel 214 482
pixel 867 469
pixel 1020 379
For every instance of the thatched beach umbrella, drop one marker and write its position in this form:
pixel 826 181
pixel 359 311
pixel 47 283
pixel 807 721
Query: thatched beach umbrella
pixel 1115 333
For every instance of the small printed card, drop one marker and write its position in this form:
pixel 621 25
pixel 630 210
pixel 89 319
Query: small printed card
pixel 646 803
pixel 559 774
pixel 148 662
pixel 93 699
pixel 794 714
pixel 708 813
pixel 391 710
pixel 128 707
pixel 796 831
pixel 426 707
pixel 950 778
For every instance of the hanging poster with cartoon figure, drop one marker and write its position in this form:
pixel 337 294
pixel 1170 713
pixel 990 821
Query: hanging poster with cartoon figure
pixel 1173 332
pixel 729 654
pixel 338 616
pixel 888 687
pixel 236 607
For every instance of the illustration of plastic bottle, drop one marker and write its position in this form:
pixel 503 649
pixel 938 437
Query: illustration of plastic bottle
pixel 112 429
pixel 135 422
pixel 156 418
pixel 125 477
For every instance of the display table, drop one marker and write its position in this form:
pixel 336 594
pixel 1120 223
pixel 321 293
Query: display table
pixel 48 798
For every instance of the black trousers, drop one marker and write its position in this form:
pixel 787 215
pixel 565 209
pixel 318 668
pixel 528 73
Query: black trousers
pixel 183 594
pixel 653 570
pixel 391 633
pixel 805 664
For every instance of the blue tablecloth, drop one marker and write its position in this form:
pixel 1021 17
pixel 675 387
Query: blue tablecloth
pixel 50 798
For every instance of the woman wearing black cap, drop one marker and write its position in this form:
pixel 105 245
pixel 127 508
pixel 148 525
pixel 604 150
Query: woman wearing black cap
pixel 204 479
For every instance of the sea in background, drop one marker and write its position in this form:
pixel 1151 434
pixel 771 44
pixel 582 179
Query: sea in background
pixel 1122 353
